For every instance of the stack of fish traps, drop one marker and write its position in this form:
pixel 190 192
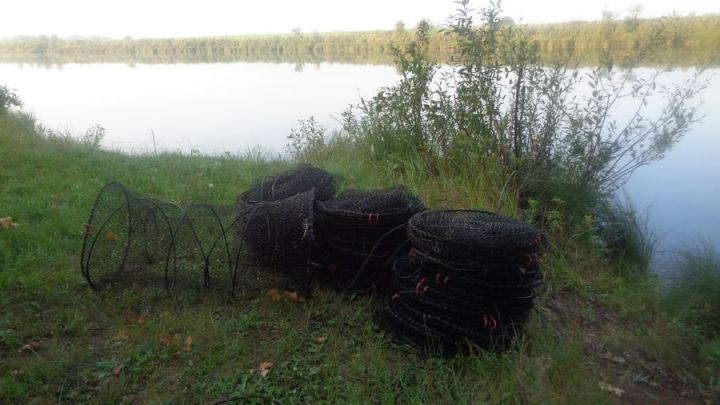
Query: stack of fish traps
pixel 469 281
pixel 450 280
pixel 359 233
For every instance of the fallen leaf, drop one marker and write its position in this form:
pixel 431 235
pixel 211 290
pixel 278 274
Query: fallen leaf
pixel 264 368
pixel 293 296
pixel 618 359
pixel 34 345
pixel 110 235
pixel 187 343
pixel 320 339
pixel 277 295
pixel 88 229
pixel 117 370
pixel 168 340
pixel 122 335
pixel 134 317
pixel 274 294
pixel 7 223
pixel 613 390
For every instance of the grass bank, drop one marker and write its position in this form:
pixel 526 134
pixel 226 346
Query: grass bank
pixel 596 334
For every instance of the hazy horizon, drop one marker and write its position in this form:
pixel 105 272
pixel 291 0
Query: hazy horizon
pixel 172 19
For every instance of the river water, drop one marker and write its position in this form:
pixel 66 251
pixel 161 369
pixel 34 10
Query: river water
pixel 235 107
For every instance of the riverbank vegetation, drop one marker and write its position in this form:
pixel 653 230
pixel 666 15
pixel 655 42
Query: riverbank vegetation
pixel 599 331
pixel 495 131
pixel 496 105
pixel 689 41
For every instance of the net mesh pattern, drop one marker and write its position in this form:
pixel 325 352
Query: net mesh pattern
pixel 300 179
pixel 134 239
pixel 470 280
pixel 453 279
pixel 358 233
pixel 279 235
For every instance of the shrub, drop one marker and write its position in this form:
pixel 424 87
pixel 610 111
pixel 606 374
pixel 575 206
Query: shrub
pixel 8 100
pixel 309 137
pixel 498 101
pixel 93 135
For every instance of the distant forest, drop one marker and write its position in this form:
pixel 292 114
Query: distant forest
pixel 678 41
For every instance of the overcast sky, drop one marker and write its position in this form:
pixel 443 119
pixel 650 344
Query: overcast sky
pixel 183 18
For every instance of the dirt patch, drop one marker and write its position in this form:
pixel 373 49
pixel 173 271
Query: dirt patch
pixel 626 370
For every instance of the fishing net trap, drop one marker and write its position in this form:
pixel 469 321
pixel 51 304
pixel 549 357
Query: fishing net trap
pixel 469 280
pixel 302 178
pixel 446 278
pixel 279 235
pixel 134 239
pixel 358 233
pixel 131 238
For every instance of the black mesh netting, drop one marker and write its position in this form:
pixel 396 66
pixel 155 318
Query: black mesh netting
pixel 134 239
pixel 279 234
pixel 469 234
pixel 358 233
pixel 454 279
pixel 470 278
pixel 300 179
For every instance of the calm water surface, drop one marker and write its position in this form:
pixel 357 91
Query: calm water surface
pixel 217 108
pixel 212 108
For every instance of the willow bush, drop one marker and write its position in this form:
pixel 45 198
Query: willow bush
pixel 8 100
pixel 496 101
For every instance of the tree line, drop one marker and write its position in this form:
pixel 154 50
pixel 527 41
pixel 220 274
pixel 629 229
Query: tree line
pixel 683 41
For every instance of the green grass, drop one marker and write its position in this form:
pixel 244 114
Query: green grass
pixel 626 235
pixel 61 341
pixel 693 296
pixel 692 299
